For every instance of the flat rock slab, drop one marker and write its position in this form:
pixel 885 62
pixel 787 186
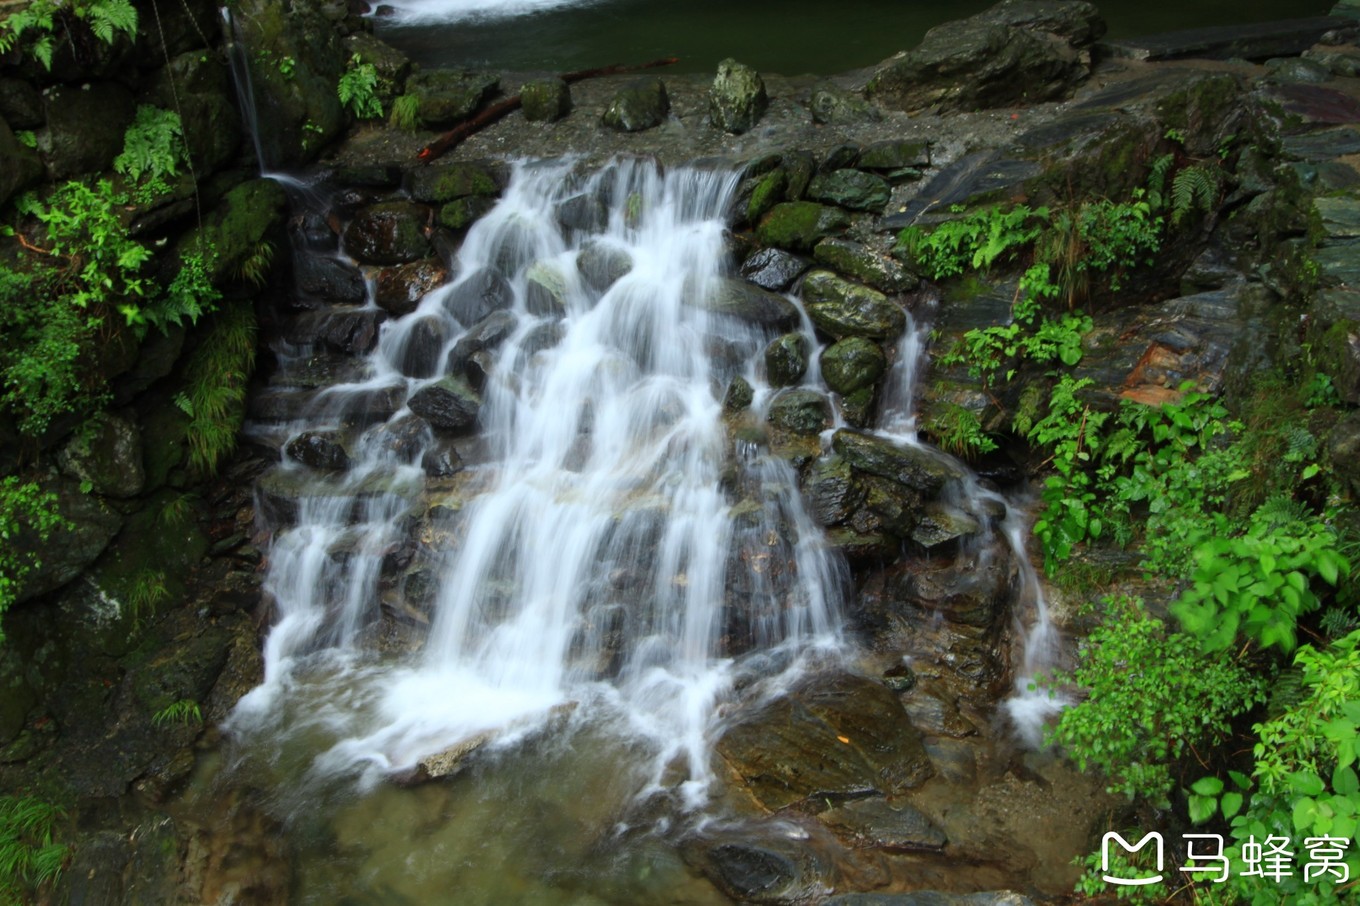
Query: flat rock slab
pixel 1314 105
pixel 1324 144
pixel 838 737
pixel 972 179
pixel 885 825
pixel 1255 41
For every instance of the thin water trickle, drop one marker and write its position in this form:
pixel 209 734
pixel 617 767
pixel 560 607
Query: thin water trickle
pixel 609 555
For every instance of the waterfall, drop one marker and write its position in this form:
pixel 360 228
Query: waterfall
pixel 606 550
pixel 239 63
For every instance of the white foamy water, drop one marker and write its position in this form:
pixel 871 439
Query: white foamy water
pixel 445 12
pixel 611 555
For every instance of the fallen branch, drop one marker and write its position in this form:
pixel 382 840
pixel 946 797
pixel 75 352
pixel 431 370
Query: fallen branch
pixel 459 133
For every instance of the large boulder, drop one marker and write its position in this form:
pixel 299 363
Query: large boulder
pixel 853 363
pixel 447 96
pixel 737 100
pixel 449 405
pixel 844 309
pixel 1017 52
pixel 106 456
pixel 85 127
pixel 749 303
pixel 798 225
pixel 391 232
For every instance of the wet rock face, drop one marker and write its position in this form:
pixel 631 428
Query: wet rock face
pixel 328 280
pixel 641 104
pixel 852 364
pixel 773 269
pixel 852 189
pixel 838 737
pixel 391 232
pixel 737 100
pixel 1019 51
pixel 398 290
pixel 478 296
pixel 786 360
pixel 447 95
pixel 449 405
pixel 319 450
pixel 107 455
pixel 751 304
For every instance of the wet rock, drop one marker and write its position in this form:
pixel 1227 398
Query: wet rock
pixel 425 339
pixel 931 898
pixel 832 494
pixel 755 868
pixel 462 213
pixel 398 290
pixel 20 104
pixel 865 265
pixel 740 394
pixel 800 412
pixel 853 363
pixel 798 225
pixel 895 154
pixel 601 265
pixel 841 308
pixel 834 737
pixel 85 126
pixel 545 100
pixel 478 295
pixel 449 405
pixel 853 189
pixel 1293 69
pixel 835 106
pixel 442 182
pixel 1019 51
pixel 487 334
pixel 447 763
pixel 786 360
pixel 940 523
pixel 839 158
pixel 390 232
pixel 447 96
pixel 92 524
pixel 641 104
pixel 876 822
pixel 545 289
pixel 737 100
pixel 22 166
pixel 912 466
pixel 1248 41
pixel 281 493
pixel 801 167
pixel 392 65
pixel 774 269
pixel 583 212
pixel 751 304
pixel 329 280
pixel 349 330
pixel 319 450
pixel 106 455
pixel 441 461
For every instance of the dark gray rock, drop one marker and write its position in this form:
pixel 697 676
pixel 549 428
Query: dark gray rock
pixel 447 96
pixel 861 263
pixel 583 212
pixel 876 822
pixel 443 181
pixel 641 104
pixel 1250 41
pixel 912 466
pixel 774 269
pixel 22 166
pixel 601 265
pixel 800 412
pixel 832 105
pixel 741 300
pixel 441 461
pixel 92 525
pixel 20 104
pixel 740 394
pixel 345 329
pixel 1019 51
pixel 484 336
pixel 320 450
pixel 737 100
pixel 106 454
pixel 85 127
pixel 894 154
pixel 832 494
pixel 478 295
pixel 449 405
pixel 853 363
pixel 853 189
pixel 329 280
pixel 421 353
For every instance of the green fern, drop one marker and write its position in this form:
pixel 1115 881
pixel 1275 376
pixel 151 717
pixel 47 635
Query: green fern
pixel 153 145
pixel 108 17
pixel 29 855
pixel 358 89
pixel 1193 189
pixel 1156 181
pixel 185 711
pixel 254 265
pixel 215 388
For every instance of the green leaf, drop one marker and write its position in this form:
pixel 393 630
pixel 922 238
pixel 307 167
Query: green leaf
pixel 1231 804
pixel 1207 786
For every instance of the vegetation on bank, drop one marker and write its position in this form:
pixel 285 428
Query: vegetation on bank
pixel 1228 695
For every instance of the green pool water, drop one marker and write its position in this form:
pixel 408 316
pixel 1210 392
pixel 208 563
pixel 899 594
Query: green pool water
pixel 787 36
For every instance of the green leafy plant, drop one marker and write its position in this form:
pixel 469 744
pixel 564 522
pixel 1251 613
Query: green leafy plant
pixel 405 113
pixel 358 89
pixel 41 24
pixel 185 711
pixel 24 507
pixel 153 146
pixel 1151 694
pixel 30 857
pixel 215 392
pixel 957 430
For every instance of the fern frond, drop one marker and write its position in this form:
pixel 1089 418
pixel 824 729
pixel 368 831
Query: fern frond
pixel 1194 188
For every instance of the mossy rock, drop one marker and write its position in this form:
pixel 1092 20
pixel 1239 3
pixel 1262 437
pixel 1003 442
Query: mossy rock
pixel 861 263
pixel 737 100
pixel 443 182
pixel 236 227
pixel 798 225
pixel 853 189
pixel 853 364
pixel 462 213
pixel 545 100
pixel 448 96
pixel 390 232
pixel 800 412
pixel 765 192
pixel 786 360
pixel 106 455
pixel 639 105
pixel 911 466
pixel 844 309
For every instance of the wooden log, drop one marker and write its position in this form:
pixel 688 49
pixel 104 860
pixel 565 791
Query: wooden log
pixel 495 112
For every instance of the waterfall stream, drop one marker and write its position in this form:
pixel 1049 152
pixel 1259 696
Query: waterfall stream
pixel 609 551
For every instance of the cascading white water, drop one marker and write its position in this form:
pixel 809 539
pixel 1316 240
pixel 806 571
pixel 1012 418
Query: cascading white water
pixel 1027 708
pixel 610 552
